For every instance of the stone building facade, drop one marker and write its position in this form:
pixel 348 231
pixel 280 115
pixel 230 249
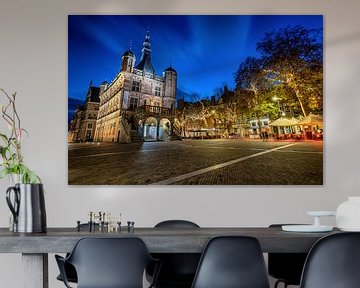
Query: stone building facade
pixel 138 105
pixel 83 124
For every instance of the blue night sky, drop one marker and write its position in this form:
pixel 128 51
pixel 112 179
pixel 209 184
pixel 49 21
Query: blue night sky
pixel 205 50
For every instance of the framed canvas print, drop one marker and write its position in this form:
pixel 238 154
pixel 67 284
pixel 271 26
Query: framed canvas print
pixel 195 100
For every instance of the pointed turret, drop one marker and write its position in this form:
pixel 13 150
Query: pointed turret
pixel 103 87
pixel 128 61
pixel 145 61
pixel 92 94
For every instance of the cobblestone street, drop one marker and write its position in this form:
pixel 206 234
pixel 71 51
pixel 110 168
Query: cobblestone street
pixel 197 162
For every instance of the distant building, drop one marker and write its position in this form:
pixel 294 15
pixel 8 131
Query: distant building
pixel 83 124
pixel 137 105
pixel 259 127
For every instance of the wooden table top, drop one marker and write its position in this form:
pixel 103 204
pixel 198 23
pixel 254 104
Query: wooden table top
pixel 158 240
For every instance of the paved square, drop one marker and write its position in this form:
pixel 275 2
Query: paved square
pixel 197 162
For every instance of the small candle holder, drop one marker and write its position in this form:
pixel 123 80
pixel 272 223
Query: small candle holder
pixel 78 225
pixel 318 214
pixel 316 227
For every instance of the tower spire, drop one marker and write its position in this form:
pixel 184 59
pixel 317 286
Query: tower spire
pixel 146 45
pixel 145 61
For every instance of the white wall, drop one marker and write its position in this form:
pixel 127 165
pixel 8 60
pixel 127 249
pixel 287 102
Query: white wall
pixel 33 62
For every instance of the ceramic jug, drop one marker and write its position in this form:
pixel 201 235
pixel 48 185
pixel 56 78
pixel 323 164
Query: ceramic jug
pixel 348 215
pixel 27 207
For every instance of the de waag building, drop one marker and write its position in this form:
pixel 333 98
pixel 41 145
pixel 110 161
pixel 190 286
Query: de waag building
pixel 138 105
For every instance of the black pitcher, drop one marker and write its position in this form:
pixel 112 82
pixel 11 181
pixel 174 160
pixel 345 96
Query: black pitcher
pixel 28 208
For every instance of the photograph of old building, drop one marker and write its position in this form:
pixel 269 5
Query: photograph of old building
pixel 137 104
pixel 196 100
pixel 83 123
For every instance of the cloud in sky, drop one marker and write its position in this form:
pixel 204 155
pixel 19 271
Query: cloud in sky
pixel 205 50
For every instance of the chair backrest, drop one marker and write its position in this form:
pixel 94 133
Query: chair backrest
pixel 178 269
pixel 286 266
pixel 110 262
pixel 333 262
pixel 176 224
pixel 232 262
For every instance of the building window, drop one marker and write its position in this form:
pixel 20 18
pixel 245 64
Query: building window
pixel 157 91
pixel 88 135
pixel 136 86
pixel 89 125
pixel 133 103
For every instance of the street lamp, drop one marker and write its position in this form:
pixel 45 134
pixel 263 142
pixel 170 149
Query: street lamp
pixel 277 99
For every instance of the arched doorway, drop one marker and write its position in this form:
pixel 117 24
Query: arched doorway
pixel 150 129
pixel 164 129
pixel 140 129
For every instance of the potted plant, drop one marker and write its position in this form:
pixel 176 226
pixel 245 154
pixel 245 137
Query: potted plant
pixel 26 197
pixel 12 161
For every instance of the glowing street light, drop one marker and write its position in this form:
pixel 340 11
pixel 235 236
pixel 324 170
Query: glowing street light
pixel 277 99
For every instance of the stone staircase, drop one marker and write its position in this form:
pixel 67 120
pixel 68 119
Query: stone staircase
pixel 176 133
pixel 135 138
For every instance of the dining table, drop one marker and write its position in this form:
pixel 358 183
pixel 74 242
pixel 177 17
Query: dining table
pixel 35 247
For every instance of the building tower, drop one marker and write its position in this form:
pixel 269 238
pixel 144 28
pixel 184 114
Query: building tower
pixel 103 87
pixel 145 61
pixel 170 77
pixel 128 61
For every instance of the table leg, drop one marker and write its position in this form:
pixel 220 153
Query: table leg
pixel 35 270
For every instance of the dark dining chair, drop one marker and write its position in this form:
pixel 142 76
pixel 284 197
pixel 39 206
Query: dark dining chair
pixel 333 262
pixel 70 271
pixel 178 269
pixel 232 262
pixel 286 267
pixel 108 263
